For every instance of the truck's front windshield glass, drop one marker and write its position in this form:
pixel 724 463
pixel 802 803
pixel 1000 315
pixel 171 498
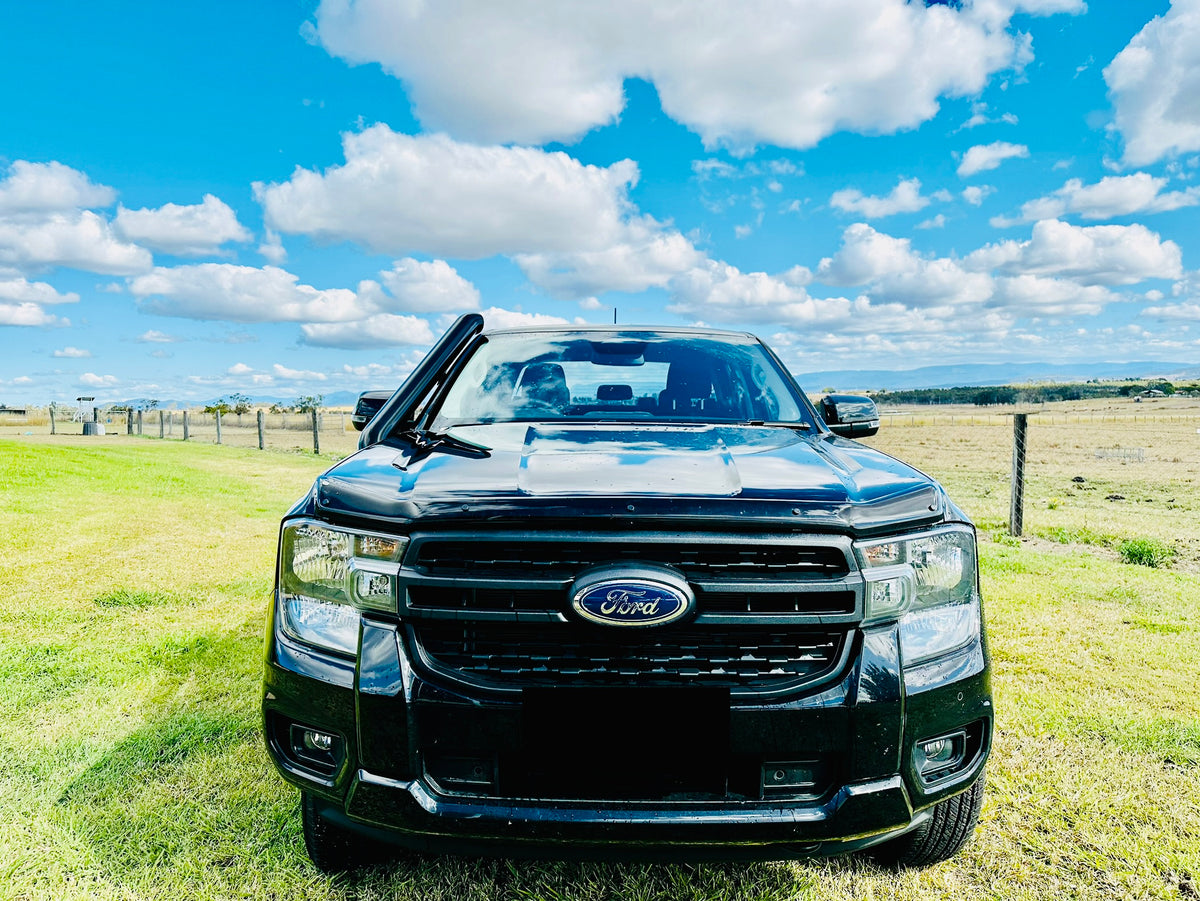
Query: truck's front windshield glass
pixel 619 376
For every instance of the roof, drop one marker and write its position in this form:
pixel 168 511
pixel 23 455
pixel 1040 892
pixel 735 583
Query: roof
pixel 621 330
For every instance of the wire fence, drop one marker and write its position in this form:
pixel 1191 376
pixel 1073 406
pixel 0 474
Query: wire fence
pixel 326 431
pixel 1094 477
pixel 1129 468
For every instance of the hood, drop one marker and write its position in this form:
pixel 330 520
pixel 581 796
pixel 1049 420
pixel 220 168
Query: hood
pixel 630 471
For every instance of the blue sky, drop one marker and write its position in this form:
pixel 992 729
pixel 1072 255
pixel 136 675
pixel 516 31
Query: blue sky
pixel 294 198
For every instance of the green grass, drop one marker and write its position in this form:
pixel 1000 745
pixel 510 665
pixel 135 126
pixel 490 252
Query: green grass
pixel 1146 552
pixel 133 583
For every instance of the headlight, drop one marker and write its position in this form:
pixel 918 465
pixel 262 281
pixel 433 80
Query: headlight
pixel 928 583
pixel 327 575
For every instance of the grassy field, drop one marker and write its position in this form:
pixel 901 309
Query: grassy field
pixel 135 573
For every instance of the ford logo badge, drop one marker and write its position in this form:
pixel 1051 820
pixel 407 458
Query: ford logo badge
pixel 650 598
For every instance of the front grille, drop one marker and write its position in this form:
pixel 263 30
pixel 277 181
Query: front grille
pixel 514 656
pixel 437 597
pixel 549 559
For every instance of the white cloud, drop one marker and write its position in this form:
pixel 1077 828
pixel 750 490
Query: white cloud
pixel 737 74
pixel 380 330
pixel 979 115
pixel 1154 84
pixel 91 380
pixel 81 240
pixel 984 157
pixel 498 318
pixel 21 291
pixel 247 294
pixel 194 230
pixel 976 194
pixel 433 287
pixel 904 198
pixel 50 188
pixel 1175 312
pixel 866 255
pixel 1058 273
pixel 72 353
pixel 297 375
pixel 380 371
pixel 239 369
pixel 723 293
pixel 154 336
pixel 647 258
pixel 398 193
pixel 938 221
pixel 28 314
pixel 1114 195
pixel 1034 296
pixel 272 249
pixel 1093 255
pixel 896 274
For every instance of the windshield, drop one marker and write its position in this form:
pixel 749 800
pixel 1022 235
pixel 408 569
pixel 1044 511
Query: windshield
pixel 619 376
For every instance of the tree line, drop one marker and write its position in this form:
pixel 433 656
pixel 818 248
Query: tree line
pixel 987 396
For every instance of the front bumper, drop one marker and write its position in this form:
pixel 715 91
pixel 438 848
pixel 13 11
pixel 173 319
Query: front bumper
pixel 410 815
pixel 392 721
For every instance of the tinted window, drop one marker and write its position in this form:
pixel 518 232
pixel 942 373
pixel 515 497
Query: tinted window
pixel 619 376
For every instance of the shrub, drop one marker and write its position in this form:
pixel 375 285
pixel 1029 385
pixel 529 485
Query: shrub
pixel 1146 552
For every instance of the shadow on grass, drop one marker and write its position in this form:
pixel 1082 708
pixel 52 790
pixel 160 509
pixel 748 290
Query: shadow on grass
pixel 189 804
pixel 452 878
pixel 191 788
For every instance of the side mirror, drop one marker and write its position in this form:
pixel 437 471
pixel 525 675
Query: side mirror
pixel 850 415
pixel 368 405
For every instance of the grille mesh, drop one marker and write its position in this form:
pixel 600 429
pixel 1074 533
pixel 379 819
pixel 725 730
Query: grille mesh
pixel 512 656
pixel 542 558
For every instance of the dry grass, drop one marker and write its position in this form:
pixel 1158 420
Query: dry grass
pixel 1072 496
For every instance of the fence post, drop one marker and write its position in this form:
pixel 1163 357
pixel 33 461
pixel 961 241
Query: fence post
pixel 139 422
pixel 129 421
pixel 52 426
pixel 1016 510
pixel 316 433
pixel 185 425
pixel 162 423
pixel 261 417
pixel 218 414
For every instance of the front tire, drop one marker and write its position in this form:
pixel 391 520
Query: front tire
pixel 940 837
pixel 333 848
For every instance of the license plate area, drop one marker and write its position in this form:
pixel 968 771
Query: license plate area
pixel 644 743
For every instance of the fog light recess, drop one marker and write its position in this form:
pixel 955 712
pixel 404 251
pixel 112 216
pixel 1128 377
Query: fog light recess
pixel 940 757
pixel 315 750
pixel 788 778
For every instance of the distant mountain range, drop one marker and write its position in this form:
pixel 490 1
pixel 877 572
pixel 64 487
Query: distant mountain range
pixel 984 374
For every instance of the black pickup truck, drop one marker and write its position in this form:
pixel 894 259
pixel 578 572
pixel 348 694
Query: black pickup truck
pixel 624 593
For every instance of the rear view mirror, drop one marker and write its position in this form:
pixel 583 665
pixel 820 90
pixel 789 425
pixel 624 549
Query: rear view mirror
pixel 850 415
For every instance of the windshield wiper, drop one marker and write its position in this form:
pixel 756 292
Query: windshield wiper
pixel 426 441
pixel 771 424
